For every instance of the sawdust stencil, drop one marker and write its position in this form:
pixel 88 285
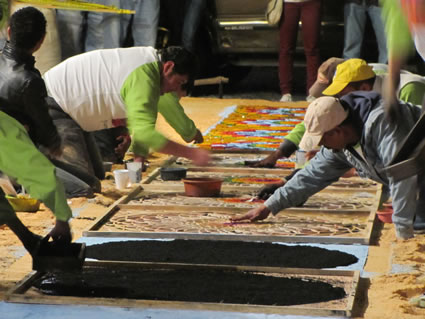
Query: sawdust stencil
pixel 208 222
pixel 341 213
pixel 213 288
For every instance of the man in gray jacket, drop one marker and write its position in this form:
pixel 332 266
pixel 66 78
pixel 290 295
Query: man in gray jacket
pixel 354 133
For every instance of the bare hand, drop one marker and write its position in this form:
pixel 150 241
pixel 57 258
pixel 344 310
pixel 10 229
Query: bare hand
pixel 200 157
pixel 392 110
pixel 144 161
pixel 61 232
pixel 258 213
pixel 267 190
pixel 350 173
pixel 199 138
pixel 122 147
pixel 389 94
pixel 268 162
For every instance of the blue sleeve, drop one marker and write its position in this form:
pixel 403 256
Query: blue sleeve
pixel 324 169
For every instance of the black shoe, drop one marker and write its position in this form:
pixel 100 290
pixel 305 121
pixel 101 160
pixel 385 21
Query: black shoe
pixel 419 225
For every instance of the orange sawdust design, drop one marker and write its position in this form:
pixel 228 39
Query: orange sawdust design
pixel 253 127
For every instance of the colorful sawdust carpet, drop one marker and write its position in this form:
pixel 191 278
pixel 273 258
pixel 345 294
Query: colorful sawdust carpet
pixel 253 127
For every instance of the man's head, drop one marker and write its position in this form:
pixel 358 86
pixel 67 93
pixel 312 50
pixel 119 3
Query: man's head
pixel 324 122
pixel 179 67
pixel 325 74
pixel 351 75
pixel 27 28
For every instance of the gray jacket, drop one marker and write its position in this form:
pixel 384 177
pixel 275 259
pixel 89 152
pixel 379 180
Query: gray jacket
pixel 379 142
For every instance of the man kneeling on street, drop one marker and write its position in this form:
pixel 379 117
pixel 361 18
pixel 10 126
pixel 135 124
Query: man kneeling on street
pixel 353 132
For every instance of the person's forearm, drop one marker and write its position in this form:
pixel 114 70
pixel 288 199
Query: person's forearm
pixel 286 149
pixel 176 149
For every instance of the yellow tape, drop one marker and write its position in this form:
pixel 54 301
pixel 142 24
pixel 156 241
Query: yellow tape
pixel 75 5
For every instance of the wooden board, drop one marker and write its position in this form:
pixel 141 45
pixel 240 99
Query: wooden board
pixel 24 291
pixel 206 222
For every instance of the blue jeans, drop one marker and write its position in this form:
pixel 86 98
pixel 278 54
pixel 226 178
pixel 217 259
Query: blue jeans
pixel 104 29
pixel 70 30
pixel 355 22
pixel 145 21
pixel 194 10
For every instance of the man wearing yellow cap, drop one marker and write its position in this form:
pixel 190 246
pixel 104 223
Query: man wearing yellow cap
pixel 357 75
pixel 350 75
pixel 338 125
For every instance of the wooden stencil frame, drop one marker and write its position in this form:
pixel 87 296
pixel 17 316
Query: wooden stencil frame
pixel 93 229
pixel 177 186
pixel 17 294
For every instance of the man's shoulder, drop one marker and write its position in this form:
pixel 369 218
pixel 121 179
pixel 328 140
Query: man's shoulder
pixel 20 75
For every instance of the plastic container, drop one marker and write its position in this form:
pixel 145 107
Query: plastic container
pixel 385 215
pixel 23 203
pixel 135 171
pixel 173 173
pixel 122 179
pixel 202 187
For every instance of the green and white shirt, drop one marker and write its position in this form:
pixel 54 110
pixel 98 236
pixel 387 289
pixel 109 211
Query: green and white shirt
pixel 98 87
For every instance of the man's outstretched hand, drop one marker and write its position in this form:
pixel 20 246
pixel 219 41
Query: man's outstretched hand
pixel 61 232
pixel 258 213
pixel 268 162
pixel 267 190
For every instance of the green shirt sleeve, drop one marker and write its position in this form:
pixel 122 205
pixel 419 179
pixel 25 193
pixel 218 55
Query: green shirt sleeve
pixel 140 92
pixel 174 114
pixel 20 159
pixel 4 12
pixel 296 134
pixel 399 39
pixel 413 92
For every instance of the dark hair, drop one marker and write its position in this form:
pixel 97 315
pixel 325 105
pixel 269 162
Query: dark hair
pixel 188 86
pixel 27 28
pixel 357 84
pixel 185 62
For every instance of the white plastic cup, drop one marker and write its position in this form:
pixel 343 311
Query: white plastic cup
pixel 300 159
pixel 122 178
pixel 135 171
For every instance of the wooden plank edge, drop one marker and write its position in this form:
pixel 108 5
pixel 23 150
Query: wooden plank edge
pixel 231 237
pixel 113 208
pixel 24 284
pixel 353 293
pixel 198 208
pixel 180 305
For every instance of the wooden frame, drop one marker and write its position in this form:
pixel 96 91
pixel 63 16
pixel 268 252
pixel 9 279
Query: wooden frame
pixel 94 229
pixel 18 293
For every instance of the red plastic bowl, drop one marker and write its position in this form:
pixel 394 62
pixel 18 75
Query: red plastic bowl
pixel 202 187
pixel 385 215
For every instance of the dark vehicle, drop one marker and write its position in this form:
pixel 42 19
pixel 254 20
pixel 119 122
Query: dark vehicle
pixel 236 33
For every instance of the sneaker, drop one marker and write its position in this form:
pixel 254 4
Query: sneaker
pixel 419 225
pixel 310 98
pixel 286 97
pixel 403 232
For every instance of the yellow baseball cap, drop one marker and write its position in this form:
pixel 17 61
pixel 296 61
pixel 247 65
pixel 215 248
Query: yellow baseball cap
pixel 352 70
